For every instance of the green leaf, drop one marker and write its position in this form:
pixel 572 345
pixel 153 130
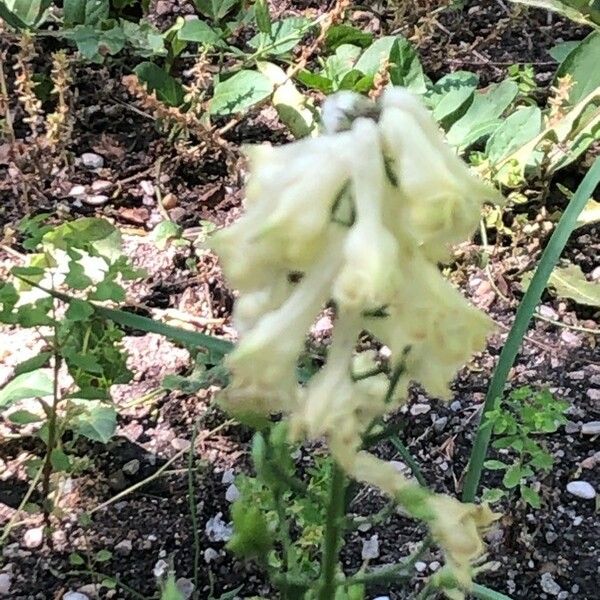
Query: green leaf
pixel 200 32
pixel 108 290
pixel 560 51
pixel 11 18
pixel 582 64
pixel 27 271
pixel 315 81
pixel 493 495
pixel 495 465
pixel 24 417
pixel 284 36
pixel 79 310
pixel 98 423
pixel 576 10
pixel 76 277
pixel 145 39
pixel 263 16
pixel 103 555
pixel 74 12
pixel 215 9
pixel 240 92
pixel 95 43
pixel 482 116
pixel 376 55
pixel 347 34
pixel 516 130
pixel 85 12
pixel 60 461
pixel 76 559
pixel 36 384
pixel 33 364
pixel 589 214
pixel 570 282
pixel 170 590
pixel 27 12
pixel 530 496
pixel 405 67
pixel 167 88
pixel 165 232
pixel 450 94
pixel 513 476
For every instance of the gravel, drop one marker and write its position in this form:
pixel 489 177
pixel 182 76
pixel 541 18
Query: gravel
pixel 92 161
pixel 549 586
pixel 581 489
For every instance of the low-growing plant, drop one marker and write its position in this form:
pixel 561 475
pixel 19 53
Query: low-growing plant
pixel 518 420
pixel 66 386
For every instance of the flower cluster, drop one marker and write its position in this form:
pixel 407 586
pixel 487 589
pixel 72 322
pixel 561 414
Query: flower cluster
pixel 358 218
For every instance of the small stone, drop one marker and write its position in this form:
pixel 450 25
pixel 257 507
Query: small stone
pixel 33 537
pixel 131 467
pixel 217 530
pixel 160 568
pixel 370 548
pixel 180 444
pixel 455 406
pixel 185 587
pixel 577 521
pixel 591 428
pixel 382 598
pixel 364 527
pixel 591 461
pixel 549 586
pixel 228 477
pixel 569 338
pixel 593 394
pixel 5 582
pixel 124 548
pixel 420 566
pixel 77 190
pixel 577 375
pixel 91 589
pixel 571 427
pixel 95 200
pixel 210 554
pixel 147 187
pixel 419 409
pixel 232 493
pixel 548 312
pixel 90 160
pixel 551 537
pixel 434 566
pixel 581 489
pixel 563 595
pixel 101 185
pixel 595 274
pixel 163 7
pixel 75 596
pixel 440 424
pixel 169 201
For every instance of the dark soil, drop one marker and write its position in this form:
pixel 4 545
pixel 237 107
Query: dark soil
pixel 560 539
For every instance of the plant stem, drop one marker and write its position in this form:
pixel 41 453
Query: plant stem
pixel 523 317
pixel 484 593
pixel 408 459
pixel 193 508
pixel 333 534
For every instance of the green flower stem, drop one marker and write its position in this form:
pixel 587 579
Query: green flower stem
pixel 549 258
pixel 408 459
pixel 333 534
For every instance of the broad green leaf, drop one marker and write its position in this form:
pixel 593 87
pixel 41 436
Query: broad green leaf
pixel 580 12
pixel 165 232
pixel 347 34
pixel 76 559
pixel 215 9
pixel 156 79
pixel 108 290
pixel 293 108
pixel 145 39
pixel 240 92
pixel 513 476
pixel 590 213
pixel 33 364
pixel 315 81
pixel 74 12
pixel 76 277
pixel 263 16
pixel 103 555
pixel 405 67
pixel 530 496
pixel 493 495
pixel 341 63
pixel 570 282
pixel 79 310
pixel 284 36
pixel 98 423
pixel 562 50
pixel 11 18
pixel 376 55
pixel 27 11
pixel 35 384
pixel 60 461
pixel 95 43
pixel 96 11
pixel 516 130
pixel 24 417
pixel 582 65
pixel 483 115
pixel 199 31
pixel 450 94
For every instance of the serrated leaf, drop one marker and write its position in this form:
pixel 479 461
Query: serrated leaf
pixel 530 496
pixel 483 115
pixel 98 423
pixel 33 364
pixel 513 476
pixel 156 79
pixel 35 384
pixel 79 310
pixel 240 92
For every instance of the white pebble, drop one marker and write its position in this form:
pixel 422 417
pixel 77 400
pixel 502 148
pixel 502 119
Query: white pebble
pixel 77 190
pixel 232 493
pixel 124 548
pixel 370 549
pixel 419 409
pixel 210 554
pixel 131 467
pixel 581 489
pixel 420 566
pixel 101 185
pixel 185 587
pixel 549 586
pixel 75 596
pixel 591 428
pixel 33 537
pixel 217 530
pixel 160 568
pixel 92 161
pixel 5 582
pixel 228 477
pixel 95 200
pixel 147 187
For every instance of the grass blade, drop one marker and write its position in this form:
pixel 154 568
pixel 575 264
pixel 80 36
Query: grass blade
pixel 484 593
pixel 523 317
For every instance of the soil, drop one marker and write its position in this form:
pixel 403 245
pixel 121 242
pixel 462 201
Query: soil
pixel 529 548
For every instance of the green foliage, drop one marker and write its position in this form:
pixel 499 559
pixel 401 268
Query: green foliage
pixel 580 11
pixel 516 421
